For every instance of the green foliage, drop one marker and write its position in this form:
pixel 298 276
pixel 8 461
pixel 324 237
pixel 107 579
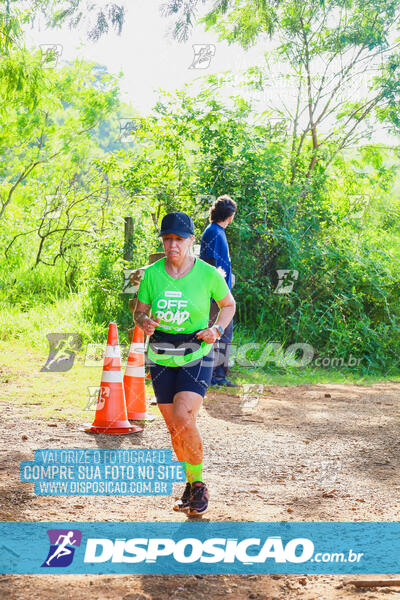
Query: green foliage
pixel 99 18
pixel 305 204
pixel 104 283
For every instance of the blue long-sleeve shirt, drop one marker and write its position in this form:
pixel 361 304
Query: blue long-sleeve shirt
pixel 214 249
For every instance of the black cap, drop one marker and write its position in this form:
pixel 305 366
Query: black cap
pixel 177 222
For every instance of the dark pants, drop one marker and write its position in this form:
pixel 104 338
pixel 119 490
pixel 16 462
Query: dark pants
pixel 222 347
pixel 193 377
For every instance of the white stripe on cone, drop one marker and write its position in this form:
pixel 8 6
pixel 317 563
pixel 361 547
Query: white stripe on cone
pixel 111 377
pixel 137 347
pixel 113 352
pixel 132 371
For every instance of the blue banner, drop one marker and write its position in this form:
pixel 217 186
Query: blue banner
pixel 200 547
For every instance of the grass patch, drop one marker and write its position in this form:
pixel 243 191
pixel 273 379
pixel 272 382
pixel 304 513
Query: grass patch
pixel 49 395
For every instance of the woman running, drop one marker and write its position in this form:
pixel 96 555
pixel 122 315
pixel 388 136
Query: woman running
pixel 178 289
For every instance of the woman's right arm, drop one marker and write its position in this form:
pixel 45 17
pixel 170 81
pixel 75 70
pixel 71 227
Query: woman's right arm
pixel 142 319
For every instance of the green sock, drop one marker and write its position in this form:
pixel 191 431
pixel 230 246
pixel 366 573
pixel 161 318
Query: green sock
pixel 194 472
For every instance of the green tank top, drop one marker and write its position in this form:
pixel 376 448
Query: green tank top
pixel 183 305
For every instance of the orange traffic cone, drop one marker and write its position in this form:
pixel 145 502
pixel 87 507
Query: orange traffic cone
pixel 135 390
pixel 111 416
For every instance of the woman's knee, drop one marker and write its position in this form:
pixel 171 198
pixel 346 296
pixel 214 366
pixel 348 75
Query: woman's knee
pixel 183 420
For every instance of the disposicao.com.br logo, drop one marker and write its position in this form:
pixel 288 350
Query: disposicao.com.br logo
pixel 213 550
pixel 200 547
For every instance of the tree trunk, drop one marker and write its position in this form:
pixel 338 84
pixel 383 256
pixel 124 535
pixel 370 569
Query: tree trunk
pixel 128 237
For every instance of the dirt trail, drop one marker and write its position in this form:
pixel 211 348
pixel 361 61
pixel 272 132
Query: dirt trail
pixel 305 453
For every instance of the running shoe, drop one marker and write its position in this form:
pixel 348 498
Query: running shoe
pixel 198 499
pixel 184 502
pixel 223 383
pixel 228 383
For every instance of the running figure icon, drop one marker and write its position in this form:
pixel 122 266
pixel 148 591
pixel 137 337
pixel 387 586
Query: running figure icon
pixel 63 543
pixel 62 549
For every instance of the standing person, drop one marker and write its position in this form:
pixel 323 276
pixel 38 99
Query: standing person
pixel 178 289
pixel 215 250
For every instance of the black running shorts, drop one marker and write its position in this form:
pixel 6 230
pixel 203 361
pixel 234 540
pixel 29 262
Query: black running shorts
pixel 195 377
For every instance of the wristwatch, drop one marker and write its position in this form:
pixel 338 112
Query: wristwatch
pixel 219 329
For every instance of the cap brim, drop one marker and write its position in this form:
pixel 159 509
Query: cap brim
pixel 183 234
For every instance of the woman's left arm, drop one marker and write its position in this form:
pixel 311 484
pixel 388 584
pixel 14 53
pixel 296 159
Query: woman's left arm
pixel 225 316
pixel 228 309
